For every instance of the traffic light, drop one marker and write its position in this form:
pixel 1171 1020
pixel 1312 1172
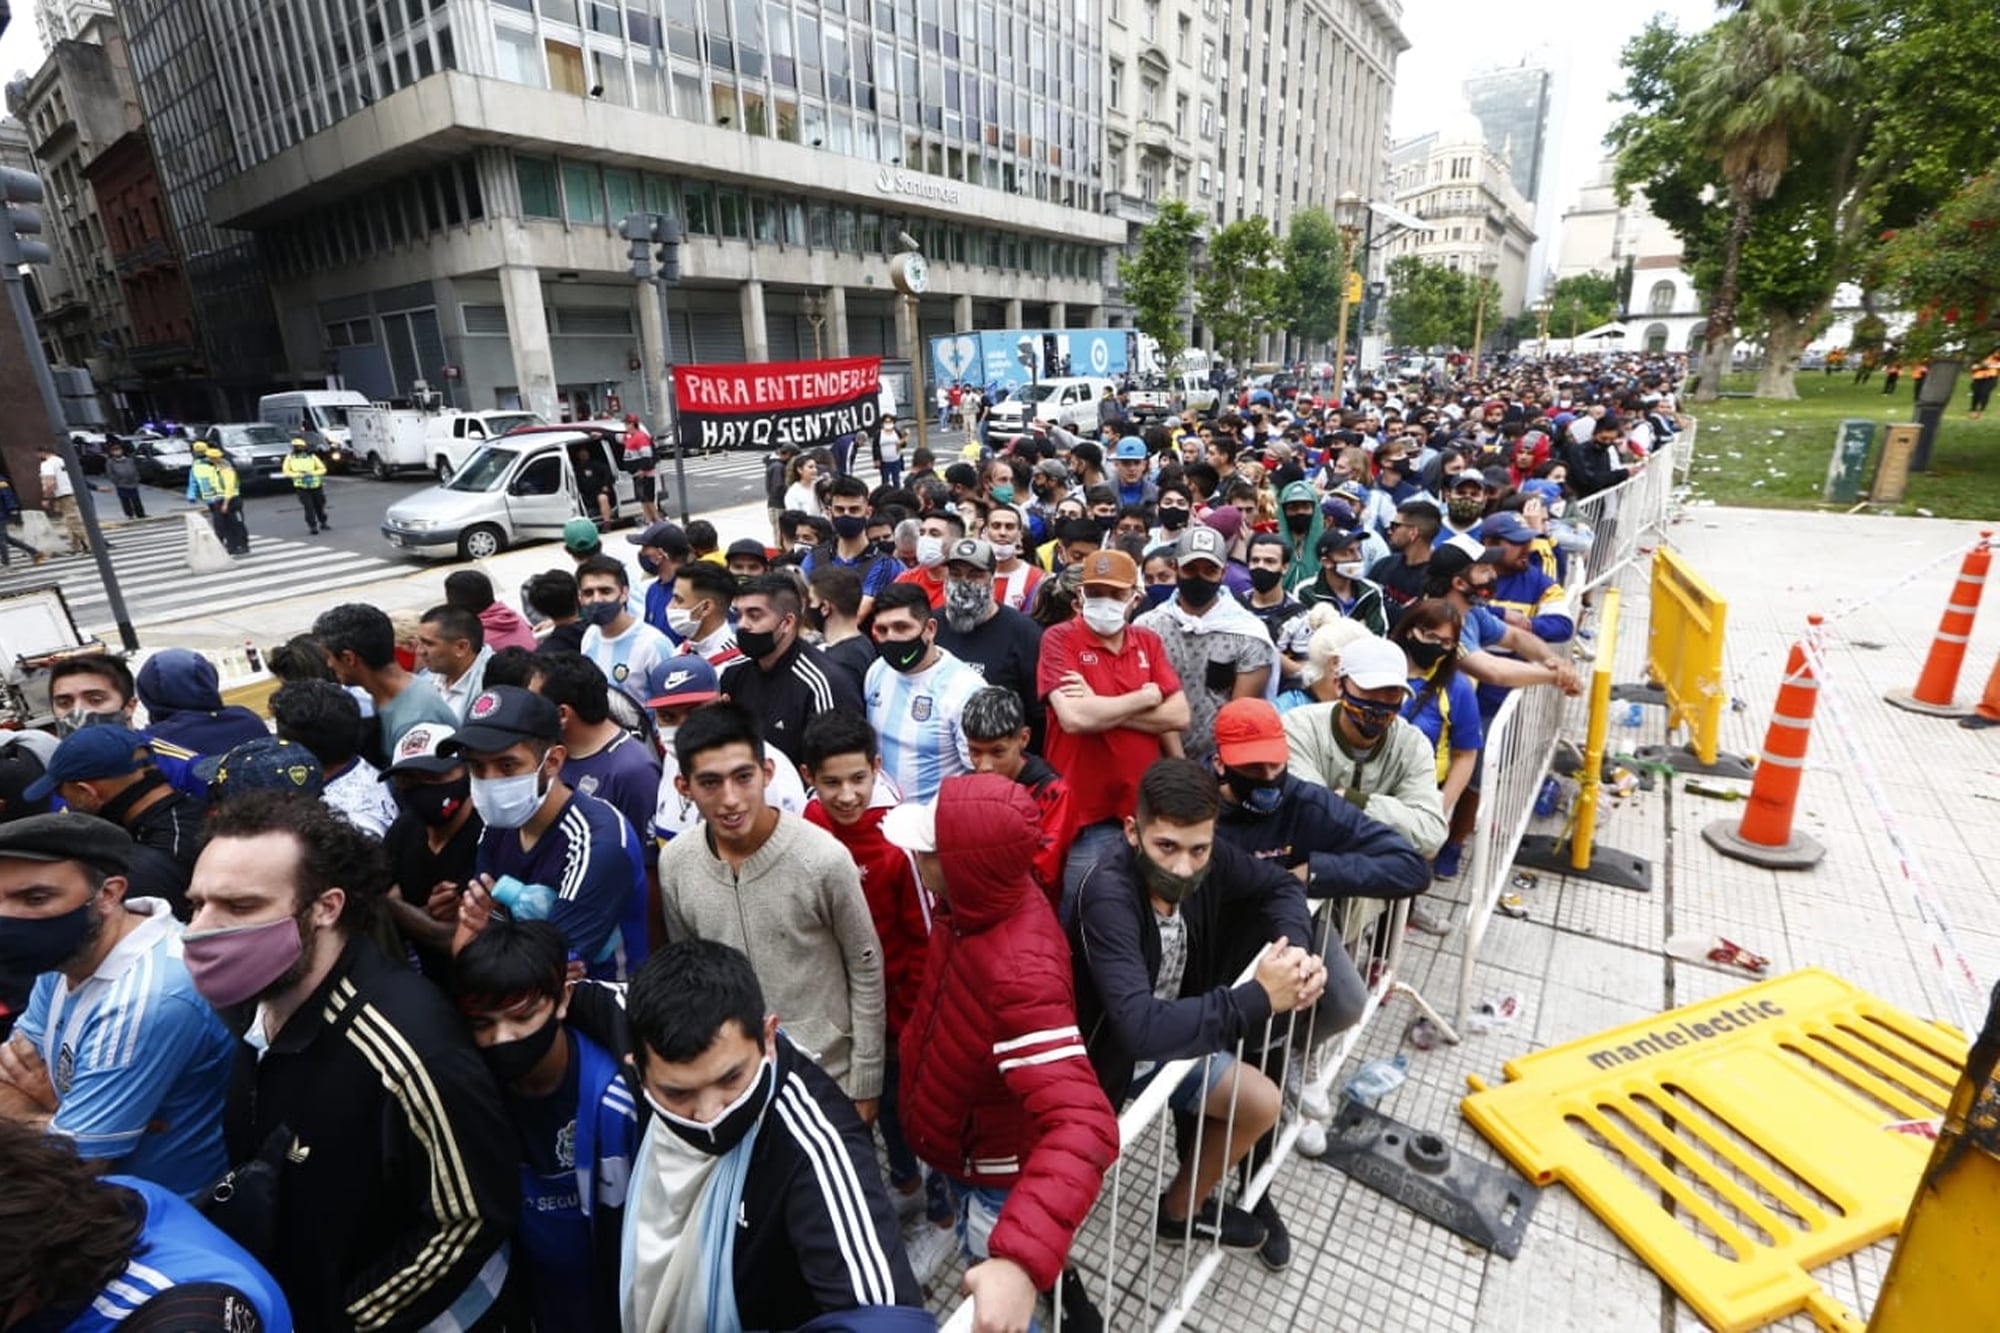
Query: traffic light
pixel 20 191
pixel 667 231
pixel 637 229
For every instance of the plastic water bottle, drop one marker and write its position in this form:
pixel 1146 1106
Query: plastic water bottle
pixel 1549 798
pixel 526 902
pixel 1376 1080
pixel 1632 714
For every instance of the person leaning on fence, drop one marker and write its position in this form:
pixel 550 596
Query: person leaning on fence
pixel 1164 927
pixel 997 1090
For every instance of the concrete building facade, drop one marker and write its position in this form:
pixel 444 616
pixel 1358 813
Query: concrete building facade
pixel 435 193
pixel 1475 218
pixel 64 20
pixel 1241 108
pixel 74 107
pixel 1600 235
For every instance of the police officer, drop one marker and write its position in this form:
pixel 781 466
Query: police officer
pixel 307 471
pixel 212 483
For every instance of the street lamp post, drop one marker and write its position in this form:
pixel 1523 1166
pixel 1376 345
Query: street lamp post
pixel 1542 308
pixel 911 276
pixel 1484 275
pixel 644 231
pixel 1348 212
pixel 813 305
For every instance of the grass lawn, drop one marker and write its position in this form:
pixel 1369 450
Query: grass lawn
pixel 1774 455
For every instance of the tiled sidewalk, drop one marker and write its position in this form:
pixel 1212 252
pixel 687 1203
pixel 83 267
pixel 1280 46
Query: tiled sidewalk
pixel 1589 957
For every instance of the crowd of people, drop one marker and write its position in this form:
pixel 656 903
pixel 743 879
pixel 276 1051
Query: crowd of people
pixel 731 950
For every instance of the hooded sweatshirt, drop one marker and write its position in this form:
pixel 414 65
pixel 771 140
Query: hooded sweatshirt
pixel 1301 550
pixel 997 1088
pixel 506 629
pixel 179 688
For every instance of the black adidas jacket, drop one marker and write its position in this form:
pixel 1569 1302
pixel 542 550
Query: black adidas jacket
pixel 398 1177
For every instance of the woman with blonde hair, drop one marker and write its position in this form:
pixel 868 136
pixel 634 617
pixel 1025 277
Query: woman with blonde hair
pixel 1319 676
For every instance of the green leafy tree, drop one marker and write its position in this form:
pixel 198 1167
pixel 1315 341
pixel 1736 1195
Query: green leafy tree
pixel 1315 270
pixel 1157 277
pixel 1947 269
pixel 1431 305
pixel 1581 302
pixel 1237 294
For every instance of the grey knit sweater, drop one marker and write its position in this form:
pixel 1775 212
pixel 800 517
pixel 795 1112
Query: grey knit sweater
pixel 796 908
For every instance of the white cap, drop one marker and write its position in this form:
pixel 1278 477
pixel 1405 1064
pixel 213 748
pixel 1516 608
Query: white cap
pixel 1374 664
pixel 912 826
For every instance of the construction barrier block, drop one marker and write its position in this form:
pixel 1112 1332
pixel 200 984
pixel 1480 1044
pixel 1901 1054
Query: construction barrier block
pixel 1770 1117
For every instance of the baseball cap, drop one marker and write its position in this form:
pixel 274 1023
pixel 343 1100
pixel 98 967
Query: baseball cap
pixel 502 717
pixel 748 547
pixel 1129 448
pixel 1200 543
pixel 1247 731
pixel 1114 568
pixel 1468 477
pixel 1451 559
pixel 1420 502
pixel 1549 491
pixel 1048 467
pixel 1506 526
pixel 970 551
pixel 265 764
pixel 912 826
pixel 663 537
pixel 417 751
pixel 1335 539
pixel 68 836
pixel 676 682
pixel 1375 664
pixel 94 752
pixel 580 534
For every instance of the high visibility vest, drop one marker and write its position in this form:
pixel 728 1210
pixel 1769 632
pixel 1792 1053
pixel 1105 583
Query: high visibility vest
pixel 204 482
pixel 305 469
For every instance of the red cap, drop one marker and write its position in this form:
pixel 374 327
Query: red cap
pixel 1247 731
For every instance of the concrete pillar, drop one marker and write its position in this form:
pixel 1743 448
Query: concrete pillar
pixel 528 334
pixel 836 321
pixel 906 328
pixel 756 337
pixel 653 369
pixel 1093 317
pixel 1012 318
pixel 961 314
pixel 1058 315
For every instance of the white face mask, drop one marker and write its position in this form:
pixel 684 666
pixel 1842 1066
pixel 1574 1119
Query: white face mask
pixel 930 551
pixel 1349 569
pixel 682 621
pixel 1004 551
pixel 508 802
pixel 1104 615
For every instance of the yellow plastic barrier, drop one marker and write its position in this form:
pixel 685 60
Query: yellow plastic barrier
pixel 1768 1117
pixel 1684 637
pixel 1944 1266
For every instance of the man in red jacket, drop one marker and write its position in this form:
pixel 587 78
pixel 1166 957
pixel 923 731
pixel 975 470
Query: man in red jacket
pixel 997 1090
pixel 842 762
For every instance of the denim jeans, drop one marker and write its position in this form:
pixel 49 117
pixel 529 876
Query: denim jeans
pixel 1093 844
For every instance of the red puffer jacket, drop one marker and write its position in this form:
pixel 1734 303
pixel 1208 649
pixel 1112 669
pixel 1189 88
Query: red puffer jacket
pixel 996 1087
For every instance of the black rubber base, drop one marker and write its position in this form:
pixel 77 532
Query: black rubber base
pixel 1608 865
pixel 1684 760
pixel 1488 1205
pixel 1640 693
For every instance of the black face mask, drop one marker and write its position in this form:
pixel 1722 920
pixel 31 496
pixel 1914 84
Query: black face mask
pixel 514 1060
pixel 1299 523
pixel 1424 656
pixel 1263 580
pixel 32 946
pixel 434 803
pixel 1255 794
pixel 1173 518
pixel 849 526
pixel 757 643
pixel 1198 593
pixel 902 655
pixel 730 1128
pixel 1104 522
pixel 1163 883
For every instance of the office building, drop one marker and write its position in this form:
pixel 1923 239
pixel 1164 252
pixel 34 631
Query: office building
pixel 64 20
pixel 1512 107
pixel 434 193
pixel 1242 108
pixel 1475 218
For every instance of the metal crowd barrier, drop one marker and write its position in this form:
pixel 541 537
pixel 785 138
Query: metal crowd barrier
pixel 1137 1281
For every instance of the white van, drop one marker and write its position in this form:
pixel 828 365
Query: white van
pixel 319 415
pixel 517 488
pixel 1072 402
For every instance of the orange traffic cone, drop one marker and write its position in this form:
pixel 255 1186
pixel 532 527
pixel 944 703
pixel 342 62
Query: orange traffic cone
pixel 1987 712
pixel 1765 837
pixel 1939 680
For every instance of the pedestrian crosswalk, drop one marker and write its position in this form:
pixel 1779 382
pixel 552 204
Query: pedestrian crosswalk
pixel 151 561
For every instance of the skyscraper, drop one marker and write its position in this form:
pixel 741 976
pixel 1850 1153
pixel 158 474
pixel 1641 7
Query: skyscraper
pixel 1513 107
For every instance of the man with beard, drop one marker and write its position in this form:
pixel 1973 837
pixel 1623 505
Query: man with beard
pixel 355 1085
pixel 1000 643
pixel 116 1051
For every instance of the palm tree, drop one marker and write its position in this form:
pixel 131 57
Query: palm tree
pixel 1769 71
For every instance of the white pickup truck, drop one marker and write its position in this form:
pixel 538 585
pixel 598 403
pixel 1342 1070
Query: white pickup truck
pixel 388 440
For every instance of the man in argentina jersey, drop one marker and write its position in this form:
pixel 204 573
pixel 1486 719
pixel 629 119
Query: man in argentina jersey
pixel 916 693
pixel 117 1052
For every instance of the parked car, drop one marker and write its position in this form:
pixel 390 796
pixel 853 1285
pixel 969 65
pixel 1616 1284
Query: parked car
pixel 163 460
pixel 89 446
pixel 1071 401
pixel 257 450
pixel 514 489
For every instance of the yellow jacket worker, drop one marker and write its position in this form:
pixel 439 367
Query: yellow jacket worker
pixel 308 473
pixel 212 481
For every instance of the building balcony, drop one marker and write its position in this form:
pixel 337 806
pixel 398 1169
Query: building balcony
pixel 1156 136
pixel 1130 208
pixel 155 253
